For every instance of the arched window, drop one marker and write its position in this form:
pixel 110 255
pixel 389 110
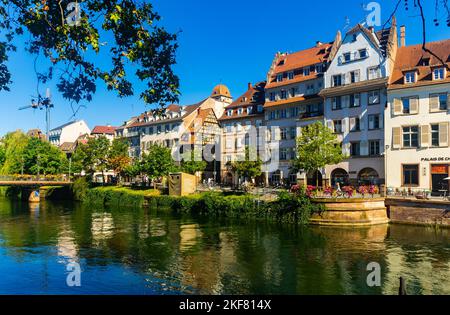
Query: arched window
pixel 340 176
pixel 368 176
pixel 315 178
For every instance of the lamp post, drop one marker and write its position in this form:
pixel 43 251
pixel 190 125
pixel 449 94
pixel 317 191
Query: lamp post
pixel 38 157
pixel 386 149
pixel 70 166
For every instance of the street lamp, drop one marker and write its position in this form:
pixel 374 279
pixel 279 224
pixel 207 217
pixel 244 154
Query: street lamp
pixel 386 148
pixel 38 158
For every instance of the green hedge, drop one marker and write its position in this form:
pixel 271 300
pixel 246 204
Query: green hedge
pixel 291 208
pixel 116 196
pixel 287 208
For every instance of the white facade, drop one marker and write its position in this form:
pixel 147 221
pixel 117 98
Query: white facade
pixel 69 132
pixel 418 157
pixel 355 98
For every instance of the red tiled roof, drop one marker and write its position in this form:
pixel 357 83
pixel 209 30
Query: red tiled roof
pixel 411 58
pixel 299 60
pixel 108 130
pixel 254 96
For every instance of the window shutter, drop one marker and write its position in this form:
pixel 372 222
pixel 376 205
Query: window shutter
pixel 352 123
pixel 344 82
pixel 397 106
pixel 330 125
pixel 371 122
pixel 357 99
pixel 277 136
pixel 348 77
pixel 364 148
pixel 443 134
pixel 357 75
pixel 344 125
pixel 346 148
pixel 396 137
pixel 448 101
pixel 425 136
pixel 362 123
pixel 346 101
pixel 434 103
pixel 414 105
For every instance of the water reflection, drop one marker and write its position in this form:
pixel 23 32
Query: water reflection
pixel 124 251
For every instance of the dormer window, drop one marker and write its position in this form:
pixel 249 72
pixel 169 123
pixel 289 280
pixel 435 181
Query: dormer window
pixel 244 99
pixel 410 77
pixel 306 71
pixel 240 111
pixel 283 94
pixel 354 37
pixel 279 77
pixel 291 75
pixel 425 62
pixel 439 73
pixel 230 112
pixel 249 110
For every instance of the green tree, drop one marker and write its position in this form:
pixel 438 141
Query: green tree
pixel 2 154
pixel 317 147
pixel 14 146
pixel 40 157
pixel 114 41
pixel 92 157
pixel 192 162
pixel 158 162
pixel 80 159
pixel 250 166
pixel 119 159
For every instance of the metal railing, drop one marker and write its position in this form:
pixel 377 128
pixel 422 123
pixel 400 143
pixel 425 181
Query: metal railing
pixel 34 178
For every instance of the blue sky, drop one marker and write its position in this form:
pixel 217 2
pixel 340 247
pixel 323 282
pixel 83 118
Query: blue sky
pixel 231 42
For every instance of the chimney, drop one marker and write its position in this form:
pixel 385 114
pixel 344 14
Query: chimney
pixel 249 86
pixel 402 36
pixel 318 43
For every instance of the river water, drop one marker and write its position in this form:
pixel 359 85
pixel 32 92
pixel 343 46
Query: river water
pixel 128 251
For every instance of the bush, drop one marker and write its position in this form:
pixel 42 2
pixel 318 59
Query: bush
pixel 293 208
pixel 117 196
pixel 79 188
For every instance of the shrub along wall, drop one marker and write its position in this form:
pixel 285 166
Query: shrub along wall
pixel 291 208
pixel 287 208
pixel 116 196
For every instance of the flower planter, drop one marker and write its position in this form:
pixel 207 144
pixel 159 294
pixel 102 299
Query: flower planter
pixel 351 212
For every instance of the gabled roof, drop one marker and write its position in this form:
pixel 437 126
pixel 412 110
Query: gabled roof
pixel 108 130
pixel 379 39
pixel 412 58
pixel 285 63
pixel 139 121
pixel 254 96
pixel 65 125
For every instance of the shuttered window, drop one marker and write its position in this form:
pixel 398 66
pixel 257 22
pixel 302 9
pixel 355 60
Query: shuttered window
pixel 425 136
pixel 443 134
pixel 396 137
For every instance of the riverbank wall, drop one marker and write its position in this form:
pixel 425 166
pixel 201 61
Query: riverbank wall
pixel 419 212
